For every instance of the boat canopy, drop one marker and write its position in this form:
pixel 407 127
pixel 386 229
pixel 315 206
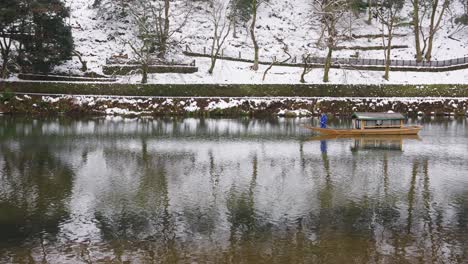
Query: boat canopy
pixel 377 116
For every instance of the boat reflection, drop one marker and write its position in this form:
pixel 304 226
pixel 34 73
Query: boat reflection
pixel 370 142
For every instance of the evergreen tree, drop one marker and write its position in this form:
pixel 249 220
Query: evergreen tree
pixel 357 6
pixel 47 40
pixel 11 13
pixel 241 10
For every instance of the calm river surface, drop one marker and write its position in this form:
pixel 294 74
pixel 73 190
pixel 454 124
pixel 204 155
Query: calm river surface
pixel 119 190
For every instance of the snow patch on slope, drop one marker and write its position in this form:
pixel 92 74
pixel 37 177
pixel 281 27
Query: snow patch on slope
pixel 98 35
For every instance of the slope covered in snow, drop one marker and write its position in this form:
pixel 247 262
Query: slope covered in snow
pixel 100 32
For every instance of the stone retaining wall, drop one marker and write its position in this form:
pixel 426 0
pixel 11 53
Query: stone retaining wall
pixel 134 106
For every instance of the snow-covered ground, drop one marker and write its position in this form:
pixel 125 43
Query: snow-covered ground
pixel 98 35
pixel 239 72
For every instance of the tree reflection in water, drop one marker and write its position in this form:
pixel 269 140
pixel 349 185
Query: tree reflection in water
pixel 227 190
pixel 35 185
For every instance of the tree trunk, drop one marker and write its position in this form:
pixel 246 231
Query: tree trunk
pixel 252 35
pixel 387 57
pixel 431 31
pixel 5 58
pixel 144 69
pixel 214 55
pixel 5 48
pixel 428 55
pixel 165 33
pixel 369 7
pixel 4 70
pixel 350 25
pixel 304 72
pixel 387 68
pixel 419 55
pixel 234 26
pixel 268 69
pixel 213 63
pixel 214 52
pixel 434 26
pixel 327 65
pixel 84 64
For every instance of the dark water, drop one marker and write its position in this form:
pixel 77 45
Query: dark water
pixel 229 191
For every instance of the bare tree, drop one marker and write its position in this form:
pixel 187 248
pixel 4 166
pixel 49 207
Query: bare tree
pixel 255 6
pixel 143 44
pixel 306 67
pixel 427 18
pixel 331 14
pixel 159 23
pixel 273 62
pixel 164 30
pixel 84 63
pixel 153 32
pixel 388 13
pixel 222 24
pixel 438 10
pixel 142 50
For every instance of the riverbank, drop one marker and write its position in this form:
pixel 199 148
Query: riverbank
pixel 216 106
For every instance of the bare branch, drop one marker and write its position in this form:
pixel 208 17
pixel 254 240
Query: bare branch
pixel 273 62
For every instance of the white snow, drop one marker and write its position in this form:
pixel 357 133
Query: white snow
pixel 222 104
pixel 100 32
pixel 298 112
pixel 192 107
pixel 120 111
pixel 286 106
pixel 229 72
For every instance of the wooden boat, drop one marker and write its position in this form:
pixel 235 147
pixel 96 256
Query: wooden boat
pixel 365 137
pixel 373 124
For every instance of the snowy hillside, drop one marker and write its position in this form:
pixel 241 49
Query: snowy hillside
pixel 292 24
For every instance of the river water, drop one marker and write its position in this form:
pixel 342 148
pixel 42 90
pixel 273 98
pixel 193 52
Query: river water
pixel 117 190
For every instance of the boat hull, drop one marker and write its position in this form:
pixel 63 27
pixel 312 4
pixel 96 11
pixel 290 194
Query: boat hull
pixel 407 130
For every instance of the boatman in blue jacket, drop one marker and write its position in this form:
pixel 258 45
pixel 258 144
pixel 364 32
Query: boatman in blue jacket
pixel 323 121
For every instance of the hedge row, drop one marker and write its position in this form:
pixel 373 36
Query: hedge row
pixel 240 90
